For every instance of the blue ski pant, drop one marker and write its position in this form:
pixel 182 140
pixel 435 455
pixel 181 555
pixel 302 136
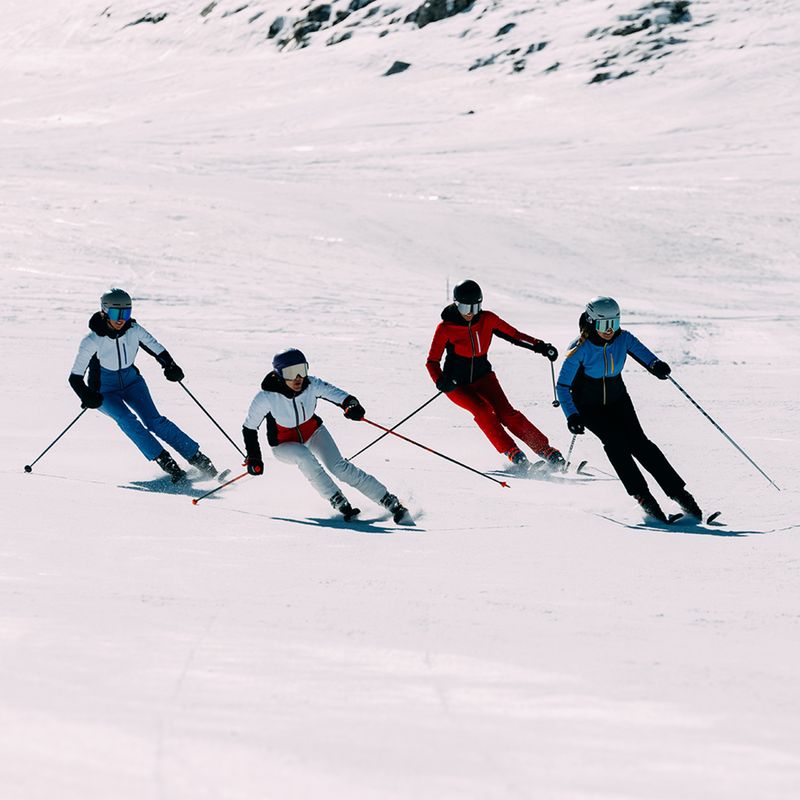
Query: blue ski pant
pixel 132 408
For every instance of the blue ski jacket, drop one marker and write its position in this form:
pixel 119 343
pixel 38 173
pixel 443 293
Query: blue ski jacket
pixel 592 375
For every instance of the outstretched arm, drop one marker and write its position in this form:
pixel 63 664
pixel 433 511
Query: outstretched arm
pixel 508 332
pixel 649 360
pixel 151 345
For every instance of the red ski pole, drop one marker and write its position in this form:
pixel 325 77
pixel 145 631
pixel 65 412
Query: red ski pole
pixel 196 500
pixel 436 453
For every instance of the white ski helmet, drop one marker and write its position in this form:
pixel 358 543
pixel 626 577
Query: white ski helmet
pixel 115 298
pixel 603 313
pixel 116 305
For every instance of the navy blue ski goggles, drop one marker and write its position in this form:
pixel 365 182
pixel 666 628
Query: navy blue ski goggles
pixel 605 325
pixel 116 314
pixel 468 308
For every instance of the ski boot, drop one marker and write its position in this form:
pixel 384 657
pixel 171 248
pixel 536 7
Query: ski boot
pixel 398 511
pixel 650 506
pixel 554 460
pixel 517 457
pixel 170 466
pixel 203 463
pixel 688 504
pixel 340 503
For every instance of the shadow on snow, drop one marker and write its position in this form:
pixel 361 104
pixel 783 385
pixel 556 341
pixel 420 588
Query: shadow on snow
pixel 360 526
pixel 692 528
pixel 165 486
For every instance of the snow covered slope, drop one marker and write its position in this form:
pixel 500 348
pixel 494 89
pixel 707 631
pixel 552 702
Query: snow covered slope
pixel 529 642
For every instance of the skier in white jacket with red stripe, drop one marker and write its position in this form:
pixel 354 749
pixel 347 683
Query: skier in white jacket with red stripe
pixel 288 401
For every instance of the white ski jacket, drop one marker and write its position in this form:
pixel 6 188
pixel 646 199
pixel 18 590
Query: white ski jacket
pixel 290 412
pixel 115 353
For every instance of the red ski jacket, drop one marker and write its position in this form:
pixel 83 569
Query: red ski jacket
pixel 467 344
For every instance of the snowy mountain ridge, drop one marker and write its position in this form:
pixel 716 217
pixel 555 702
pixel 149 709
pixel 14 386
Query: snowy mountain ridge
pixel 593 41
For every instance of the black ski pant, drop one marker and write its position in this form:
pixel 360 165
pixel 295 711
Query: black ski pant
pixel 619 429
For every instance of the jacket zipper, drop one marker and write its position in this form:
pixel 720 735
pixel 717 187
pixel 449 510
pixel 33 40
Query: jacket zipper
pixel 119 361
pixel 297 421
pixel 605 371
pixel 472 346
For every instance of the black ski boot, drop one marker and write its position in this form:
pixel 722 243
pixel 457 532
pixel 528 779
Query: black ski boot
pixel 170 466
pixel 688 504
pixel 203 463
pixel 339 502
pixel 650 506
pixel 398 511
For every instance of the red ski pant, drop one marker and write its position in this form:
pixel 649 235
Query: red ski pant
pixel 487 402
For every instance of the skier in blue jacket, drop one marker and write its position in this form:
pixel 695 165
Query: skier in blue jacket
pixel 117 389
pixel 593 395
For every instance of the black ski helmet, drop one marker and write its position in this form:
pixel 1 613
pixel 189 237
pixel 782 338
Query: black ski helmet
pixel 468 297
pixel 288 358
pixel 467 292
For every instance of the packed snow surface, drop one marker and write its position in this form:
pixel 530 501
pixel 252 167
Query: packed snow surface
pixel 531 642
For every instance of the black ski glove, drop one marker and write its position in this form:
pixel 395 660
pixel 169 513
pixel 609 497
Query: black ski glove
pixel 575 424
pixel 546 349
pixel 92 399
pixel 444 383
pixel 172 372
pixel 253 460
pixel 660 369
pixel 255 466
pixel 353 409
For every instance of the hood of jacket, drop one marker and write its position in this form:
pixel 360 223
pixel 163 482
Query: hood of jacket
pixel 97 324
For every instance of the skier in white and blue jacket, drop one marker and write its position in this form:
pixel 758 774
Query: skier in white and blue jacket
pixel 593 395
pixel 117 389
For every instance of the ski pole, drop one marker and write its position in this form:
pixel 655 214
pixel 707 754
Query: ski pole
pixel 436 453
pixel 29 467
pixel 200 405
pixel 394 427
pixel 556 403
pixel 569 454
pixel 196 500
pixel 706 415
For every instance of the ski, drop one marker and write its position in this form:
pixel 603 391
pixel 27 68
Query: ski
pixel 223 475
pixel 672 518
pixel 711 517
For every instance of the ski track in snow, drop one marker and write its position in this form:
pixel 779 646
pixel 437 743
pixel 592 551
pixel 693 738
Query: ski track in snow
pixel 537 641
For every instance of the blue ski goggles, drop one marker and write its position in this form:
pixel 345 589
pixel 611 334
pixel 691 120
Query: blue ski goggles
pixel 294 371
pixel 605 325
pixel 116 314
pixel 468 308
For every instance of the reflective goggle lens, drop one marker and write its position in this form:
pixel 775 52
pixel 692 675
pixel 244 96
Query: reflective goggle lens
pixel 605 325
pixel 296 370
pixel 468 308
pixel 116 314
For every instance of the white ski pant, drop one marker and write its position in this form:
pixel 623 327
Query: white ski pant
pixel 321 447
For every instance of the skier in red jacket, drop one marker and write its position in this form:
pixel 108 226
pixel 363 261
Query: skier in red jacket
pixel 467 378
